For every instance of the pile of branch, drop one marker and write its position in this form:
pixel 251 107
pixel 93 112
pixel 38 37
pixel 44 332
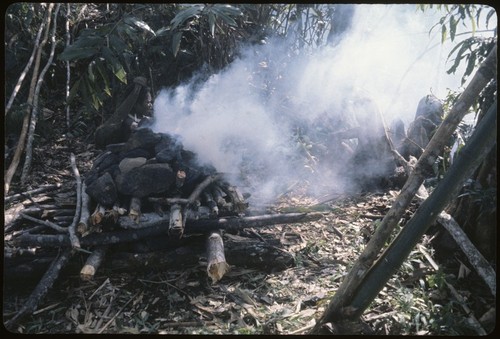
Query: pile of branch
pixel 144 202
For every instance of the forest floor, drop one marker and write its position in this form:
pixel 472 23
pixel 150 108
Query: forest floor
pixel 416 301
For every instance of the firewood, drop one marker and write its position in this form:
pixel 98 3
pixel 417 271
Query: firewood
pixel 75 241
pixel 55 227
pixel 83 226
pixel 168 201
pixel 176 228
pixel 180 177
pixel 93 262
pixel 97 217
pixel 31 193
pixel 218 195
pixel 238 202
pixel 211 204
pixel 43 286
pixel 135 209
pixel 217 265
pixel 204 184
pixel 156 225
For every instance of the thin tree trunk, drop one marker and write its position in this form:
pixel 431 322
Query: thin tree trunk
pixel 24 131
pixel 344 294
pixel 26 68
pixel 469 159
pixel 68 69
pixel 34 112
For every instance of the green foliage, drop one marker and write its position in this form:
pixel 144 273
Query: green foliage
pixel 472 50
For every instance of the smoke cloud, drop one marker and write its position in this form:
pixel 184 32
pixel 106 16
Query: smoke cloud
pixel 253 119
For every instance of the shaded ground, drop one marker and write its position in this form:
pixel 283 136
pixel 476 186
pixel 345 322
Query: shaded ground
pixel 252 301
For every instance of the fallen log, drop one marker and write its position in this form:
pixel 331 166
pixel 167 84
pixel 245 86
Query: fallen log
pixel 161 252
pixel 156 225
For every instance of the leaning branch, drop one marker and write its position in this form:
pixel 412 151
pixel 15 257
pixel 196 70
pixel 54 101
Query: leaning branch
pixel 43 286
pixel 351 282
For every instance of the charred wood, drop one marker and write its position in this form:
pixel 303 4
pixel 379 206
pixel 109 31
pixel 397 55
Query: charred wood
pixel 159 225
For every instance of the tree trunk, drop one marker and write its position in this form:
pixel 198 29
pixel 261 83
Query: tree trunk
pixel 345 293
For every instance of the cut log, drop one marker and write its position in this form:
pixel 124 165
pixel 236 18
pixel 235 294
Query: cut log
pixel 162 252
pixel 176 226
pixel 211 204
pixel 180 177
pixel 135 209
pixel 97 217
pixel 217 265
pixel 93 262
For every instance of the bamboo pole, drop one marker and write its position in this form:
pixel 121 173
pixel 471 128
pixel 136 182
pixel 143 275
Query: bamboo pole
pixel 344 294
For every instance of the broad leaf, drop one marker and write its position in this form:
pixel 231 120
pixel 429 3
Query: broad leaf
pixel 139 24
pixel 183 15
pixel 176 42
pixel 73 53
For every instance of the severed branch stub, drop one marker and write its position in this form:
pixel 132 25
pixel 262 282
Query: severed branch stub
pixel 135 209
pixel 217 265
pixel 93 262
pixel 176 226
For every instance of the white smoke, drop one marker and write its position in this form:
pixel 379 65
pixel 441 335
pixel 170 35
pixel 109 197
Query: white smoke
pixel 245 117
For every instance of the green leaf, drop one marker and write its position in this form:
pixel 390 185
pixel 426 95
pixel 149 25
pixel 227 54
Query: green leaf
pixel 211 23
pixel 183 15
pixel 453 27
pixel 74 89
pixel 117 44
pixel 443 33
pixel 104 76
pixel 73 53
pixel 176 42
pixel 139 24
pixel 115 65
pixel 470 66
pixel 162 31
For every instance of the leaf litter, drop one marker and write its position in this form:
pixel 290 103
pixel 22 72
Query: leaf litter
pixel 415 301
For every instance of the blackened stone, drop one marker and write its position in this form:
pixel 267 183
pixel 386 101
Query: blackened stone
pixel 138 152
pixel 103 190
pixel 115 148
pixel 104 161
pixel 167 155
pixel 145 180
pixel 142 138
pixel 128 164
pixel 102 164
pixel 166 142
